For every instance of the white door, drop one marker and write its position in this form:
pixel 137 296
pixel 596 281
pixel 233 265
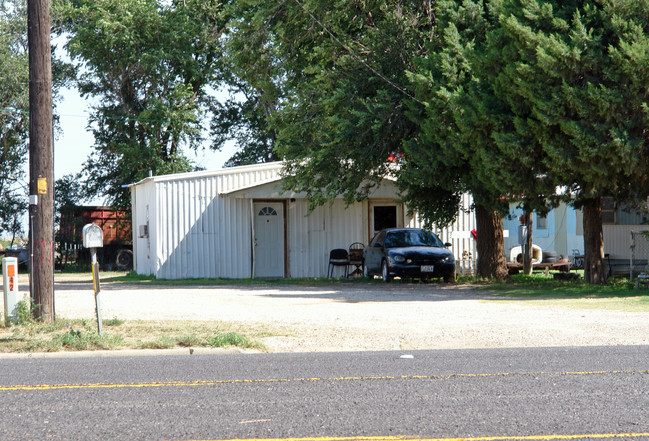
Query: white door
pixel 269 239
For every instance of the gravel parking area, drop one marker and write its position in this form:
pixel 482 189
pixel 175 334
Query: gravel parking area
pixel 342 317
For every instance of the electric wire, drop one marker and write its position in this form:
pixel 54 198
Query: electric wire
pixel 117 118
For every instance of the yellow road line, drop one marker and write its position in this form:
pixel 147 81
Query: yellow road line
pixel 295 380
pixel 479 438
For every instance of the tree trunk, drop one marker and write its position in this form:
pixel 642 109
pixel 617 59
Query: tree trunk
pixel 594 266
pixel 491 244
pixel 527 247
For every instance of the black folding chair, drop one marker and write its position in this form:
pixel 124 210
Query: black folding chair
pixel 338 257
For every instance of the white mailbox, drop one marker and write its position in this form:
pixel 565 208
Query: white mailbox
pixel 93 237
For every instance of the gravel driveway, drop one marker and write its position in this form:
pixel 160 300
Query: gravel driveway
pixel 342 317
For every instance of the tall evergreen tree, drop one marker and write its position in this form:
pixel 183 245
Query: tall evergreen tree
pixel 455 150
pixel 575 75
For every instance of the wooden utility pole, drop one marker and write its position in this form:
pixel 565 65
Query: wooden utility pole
pixel 41 159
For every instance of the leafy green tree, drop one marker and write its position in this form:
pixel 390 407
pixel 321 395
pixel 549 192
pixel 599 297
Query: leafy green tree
pixel 334 78
pixel 244 117
pixel 254 80
pixel 348 105
pixel 575 75
pixel 346 115
pixel 455 150
pixel 150 65
pixel 14 118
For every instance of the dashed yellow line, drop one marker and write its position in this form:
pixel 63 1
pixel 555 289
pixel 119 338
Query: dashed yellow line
pixel 24 387
pixel 479 438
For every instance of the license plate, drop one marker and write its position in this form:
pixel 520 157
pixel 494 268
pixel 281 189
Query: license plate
pixel 427 268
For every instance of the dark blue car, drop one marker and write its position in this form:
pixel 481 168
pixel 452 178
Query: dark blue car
pixel 408 252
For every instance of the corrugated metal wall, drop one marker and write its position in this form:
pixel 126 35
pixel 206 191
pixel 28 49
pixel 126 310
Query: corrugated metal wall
pixel 458 233
pixel 197 230
pixel 312 237
pixel 617 240
pixel 200 233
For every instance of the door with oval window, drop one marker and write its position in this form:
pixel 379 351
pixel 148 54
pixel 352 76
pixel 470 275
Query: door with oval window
pixel 269 239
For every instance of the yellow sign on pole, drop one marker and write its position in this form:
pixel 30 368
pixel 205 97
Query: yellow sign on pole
pixel 42 185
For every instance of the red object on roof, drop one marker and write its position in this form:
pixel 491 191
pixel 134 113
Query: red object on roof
pixel 395 157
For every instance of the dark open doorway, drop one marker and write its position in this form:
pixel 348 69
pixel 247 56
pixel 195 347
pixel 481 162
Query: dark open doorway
pixel 385 217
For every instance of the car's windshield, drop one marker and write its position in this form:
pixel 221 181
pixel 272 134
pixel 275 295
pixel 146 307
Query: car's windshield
pixel 411 238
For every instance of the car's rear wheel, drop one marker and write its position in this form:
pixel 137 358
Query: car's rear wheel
pixel 385 273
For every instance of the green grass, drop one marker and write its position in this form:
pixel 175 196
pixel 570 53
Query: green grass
pixel 538 285
pixel 618 294
pixel 81 335
pixel 535 286
pixel 231 339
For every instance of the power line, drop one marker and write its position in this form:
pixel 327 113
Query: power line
pixel 117 118
pixel 357 57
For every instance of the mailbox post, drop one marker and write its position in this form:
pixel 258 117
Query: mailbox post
pixel 93 238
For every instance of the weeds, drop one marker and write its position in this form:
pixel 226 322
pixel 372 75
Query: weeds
pixel 189 341
pixel 81 335
pixel 113 322
pixel 23 313
pixel 163 342
pixel 231 339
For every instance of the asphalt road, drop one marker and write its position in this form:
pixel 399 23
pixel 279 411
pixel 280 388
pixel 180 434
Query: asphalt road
pixel 493 394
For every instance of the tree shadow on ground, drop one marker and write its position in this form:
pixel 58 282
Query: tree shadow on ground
pixel 370 291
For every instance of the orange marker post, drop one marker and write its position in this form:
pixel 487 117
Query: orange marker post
pixel 10 288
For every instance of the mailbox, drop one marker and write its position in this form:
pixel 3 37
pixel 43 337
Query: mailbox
pixel 93 237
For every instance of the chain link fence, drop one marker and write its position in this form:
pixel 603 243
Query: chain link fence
pixel 639 253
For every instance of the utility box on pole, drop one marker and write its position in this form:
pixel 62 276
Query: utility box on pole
pixel 10 285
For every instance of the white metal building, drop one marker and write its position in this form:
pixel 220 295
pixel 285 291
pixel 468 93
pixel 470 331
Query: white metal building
pixel 238 223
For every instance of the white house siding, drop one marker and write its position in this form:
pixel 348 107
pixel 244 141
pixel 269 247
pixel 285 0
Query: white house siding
pixel 312 237
pixel 459 232
pixel 197 231
pixel 561 234
pixel 617 240
pixel 193 231
pixel 200 224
